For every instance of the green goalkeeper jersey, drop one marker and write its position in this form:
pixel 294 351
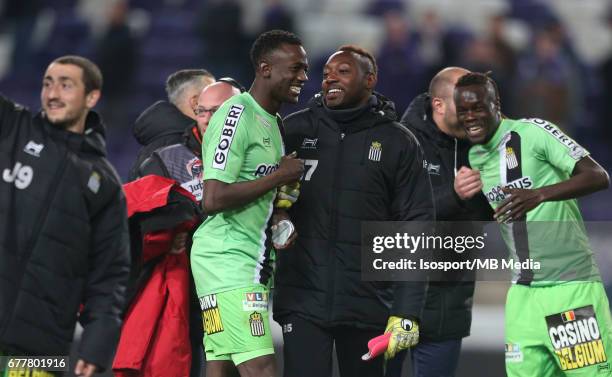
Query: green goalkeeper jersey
pixel 551 245
pixel 232 249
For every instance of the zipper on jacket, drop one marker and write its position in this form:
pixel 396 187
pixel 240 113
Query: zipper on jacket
pixel 331 283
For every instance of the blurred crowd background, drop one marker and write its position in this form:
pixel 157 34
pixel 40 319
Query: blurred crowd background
pixel 551 58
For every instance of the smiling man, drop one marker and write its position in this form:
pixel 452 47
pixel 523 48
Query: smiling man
pixel 531 175
pixel 63 232
pixel 232 256
pixel 361 165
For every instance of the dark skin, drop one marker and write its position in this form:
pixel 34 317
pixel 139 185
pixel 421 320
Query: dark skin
pixel 478 112
pixel 348 80
pixel 279 78
pixel 276 79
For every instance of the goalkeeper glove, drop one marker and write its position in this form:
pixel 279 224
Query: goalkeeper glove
pixel 404 334
pixel 287 195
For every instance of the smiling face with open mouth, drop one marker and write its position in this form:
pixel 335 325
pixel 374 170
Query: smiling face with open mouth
pixel 289 72
pixel 345 82
pixel 63 96
pixel 477 112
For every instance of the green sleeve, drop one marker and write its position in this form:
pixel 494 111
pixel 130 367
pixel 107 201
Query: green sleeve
pixel 225 144
pixel 556 147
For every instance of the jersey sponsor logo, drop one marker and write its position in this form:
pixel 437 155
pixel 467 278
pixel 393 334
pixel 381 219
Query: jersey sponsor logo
pixel 264 169
pixel 496 194
pixel 375 151
pixel 575 150
pixel 511 160
pixel 255 301
pixel 211 315
pixel 33 148
pixel 513 353
pixel 21 175
pixel 267 142
pixel 309 143
pixel 227 136
pixel 257 324
pixel 576 338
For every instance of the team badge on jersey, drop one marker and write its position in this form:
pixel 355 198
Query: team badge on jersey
pixel 511 160
pixel 375 151
pixel 576 338
pixel 257 324
pixel 94 182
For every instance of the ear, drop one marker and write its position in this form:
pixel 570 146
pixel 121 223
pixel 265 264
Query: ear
pixel 91 99
pixel 265 69
pixel 193 101
pixel 438 106
pixel 371 80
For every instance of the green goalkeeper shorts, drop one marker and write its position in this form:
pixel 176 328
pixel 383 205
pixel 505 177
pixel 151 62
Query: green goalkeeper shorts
pixel 236 324
pixel 561 330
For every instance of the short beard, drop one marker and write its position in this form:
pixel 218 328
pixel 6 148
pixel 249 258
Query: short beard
pixel 63 124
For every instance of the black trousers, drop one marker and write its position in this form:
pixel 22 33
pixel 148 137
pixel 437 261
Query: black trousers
pixel 308 348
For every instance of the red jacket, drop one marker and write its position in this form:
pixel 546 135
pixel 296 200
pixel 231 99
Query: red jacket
pixel 155 336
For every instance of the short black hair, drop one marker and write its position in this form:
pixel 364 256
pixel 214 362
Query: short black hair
pixel 179 80
pixel 363 53
pixel 92 77
pixel 270 41
pixel 478 78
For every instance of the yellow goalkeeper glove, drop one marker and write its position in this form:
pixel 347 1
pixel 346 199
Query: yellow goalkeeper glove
pixel 287 195
pixel 404 334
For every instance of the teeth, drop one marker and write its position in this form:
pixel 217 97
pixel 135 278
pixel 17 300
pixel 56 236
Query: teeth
pixel 334 91
pixel 296 89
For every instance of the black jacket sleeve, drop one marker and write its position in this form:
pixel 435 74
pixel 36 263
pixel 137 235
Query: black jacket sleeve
pixel 107 276
pixel 9 115
pixel 412 201
pixel 448 202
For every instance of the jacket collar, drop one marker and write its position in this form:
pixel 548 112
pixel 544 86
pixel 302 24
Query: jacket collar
pixel 379 109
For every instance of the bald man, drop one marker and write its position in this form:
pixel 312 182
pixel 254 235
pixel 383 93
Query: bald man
pixel 448 310
pixel 210 100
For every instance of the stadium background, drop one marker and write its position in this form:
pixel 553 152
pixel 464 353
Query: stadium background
pixel 551 59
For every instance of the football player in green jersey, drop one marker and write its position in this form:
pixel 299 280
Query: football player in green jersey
pixel 232 256
pixel 557 317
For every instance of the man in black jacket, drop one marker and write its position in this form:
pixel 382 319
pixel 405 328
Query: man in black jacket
pixel 63 229
pixel 164 123
pixel 448 309
pixel 361 165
